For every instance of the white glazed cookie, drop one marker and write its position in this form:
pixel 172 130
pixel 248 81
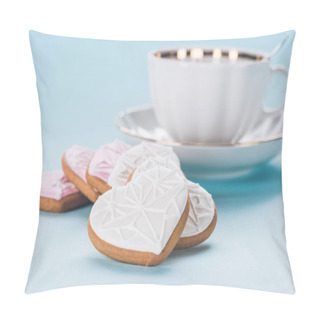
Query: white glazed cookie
pixel 202 217
pixel 202 214
pixel 130 160
pixel 202 210
pixel 156 162
pixel 141 222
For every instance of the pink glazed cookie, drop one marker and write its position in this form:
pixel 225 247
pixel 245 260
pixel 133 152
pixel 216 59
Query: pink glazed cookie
pixel 74 164
pixel 102 164
pixel 59 194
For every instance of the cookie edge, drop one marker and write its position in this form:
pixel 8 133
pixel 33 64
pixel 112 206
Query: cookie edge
pixel 96 182
pixel 68 203
pixel 188 242
pixel 83 186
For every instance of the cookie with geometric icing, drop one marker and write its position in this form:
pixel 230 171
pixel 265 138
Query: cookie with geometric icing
pixel 59 194
pixel 155 162
pixel 102 164
pixel 74 164
pixel 141 222
pixel 133 157
pixel 202 217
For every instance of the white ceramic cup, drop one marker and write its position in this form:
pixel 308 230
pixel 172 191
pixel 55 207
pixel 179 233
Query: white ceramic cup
pixel 211 95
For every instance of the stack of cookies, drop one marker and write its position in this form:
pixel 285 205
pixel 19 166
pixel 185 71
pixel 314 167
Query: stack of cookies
pixel 83 177
pixel 144 207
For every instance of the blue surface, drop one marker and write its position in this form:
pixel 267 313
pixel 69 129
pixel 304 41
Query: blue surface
pixel 83 84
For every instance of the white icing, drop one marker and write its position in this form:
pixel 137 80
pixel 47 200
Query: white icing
pixel 156 162
pixel 130 159
pixel 202 209
pixel 143 214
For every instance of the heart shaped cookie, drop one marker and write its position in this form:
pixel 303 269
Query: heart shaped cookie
pixel 202 217
pixel 130 160
pixel 141 222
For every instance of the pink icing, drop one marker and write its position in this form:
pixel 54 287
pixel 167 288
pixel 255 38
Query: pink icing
pixel 55 185
pixel 106 158
pixel 78 159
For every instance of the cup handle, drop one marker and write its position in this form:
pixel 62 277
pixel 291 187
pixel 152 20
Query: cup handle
pixel 275 69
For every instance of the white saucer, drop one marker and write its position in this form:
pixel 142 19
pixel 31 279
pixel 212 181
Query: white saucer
pixel 198 160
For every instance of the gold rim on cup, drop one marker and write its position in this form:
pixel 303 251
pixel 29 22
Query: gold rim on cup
pixel 215 54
